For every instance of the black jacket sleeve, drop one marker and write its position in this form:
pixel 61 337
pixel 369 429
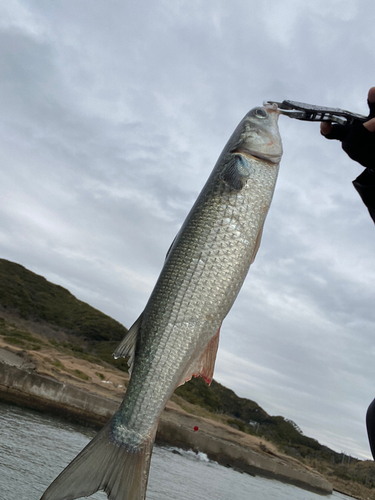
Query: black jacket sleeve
pixel 365 185
pixel 359 144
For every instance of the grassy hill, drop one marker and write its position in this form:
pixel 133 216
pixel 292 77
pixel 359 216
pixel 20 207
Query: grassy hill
pixel 35 298
pixel 68 323
pixel 56 313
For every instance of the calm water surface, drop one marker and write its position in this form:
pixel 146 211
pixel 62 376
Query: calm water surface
pixel 34 448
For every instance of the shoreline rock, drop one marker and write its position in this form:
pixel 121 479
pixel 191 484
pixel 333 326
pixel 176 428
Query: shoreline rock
pixel 22 386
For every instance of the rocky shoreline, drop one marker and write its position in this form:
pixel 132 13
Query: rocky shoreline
pixel 20 384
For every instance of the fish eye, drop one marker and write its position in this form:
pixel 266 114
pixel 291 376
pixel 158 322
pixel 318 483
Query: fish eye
pixel 260 113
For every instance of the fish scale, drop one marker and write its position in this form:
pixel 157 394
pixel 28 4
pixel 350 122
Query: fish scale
pixel 217 274
pixel 177 335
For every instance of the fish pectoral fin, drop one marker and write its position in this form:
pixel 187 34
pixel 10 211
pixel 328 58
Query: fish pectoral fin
pixel 127 346
pixel 205 365
pixel 236 172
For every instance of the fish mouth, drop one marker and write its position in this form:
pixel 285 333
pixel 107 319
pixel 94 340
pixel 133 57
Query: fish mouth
pixel 271 107
pixel 257 155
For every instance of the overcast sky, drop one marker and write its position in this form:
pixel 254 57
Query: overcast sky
pixel 112 115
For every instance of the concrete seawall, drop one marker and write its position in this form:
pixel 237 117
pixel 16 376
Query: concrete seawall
pixel 35 391
pixel 29 389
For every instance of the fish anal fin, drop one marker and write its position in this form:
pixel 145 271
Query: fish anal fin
pixel 205 365
pixel 127 346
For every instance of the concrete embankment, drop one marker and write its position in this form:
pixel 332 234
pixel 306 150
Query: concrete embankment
pixel 23 386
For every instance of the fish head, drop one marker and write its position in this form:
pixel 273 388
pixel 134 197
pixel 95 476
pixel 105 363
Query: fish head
pixel 258 134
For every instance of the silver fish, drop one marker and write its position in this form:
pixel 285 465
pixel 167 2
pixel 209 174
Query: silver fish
pixel 177 335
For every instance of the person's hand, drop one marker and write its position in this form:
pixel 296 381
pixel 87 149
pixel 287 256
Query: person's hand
pixel 358 139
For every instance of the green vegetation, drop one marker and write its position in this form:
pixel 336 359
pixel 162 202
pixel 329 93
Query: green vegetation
pixel 34 298
pixel 80 375
pixel 248 416
pixel 57 364
pixel 93 336
pixel 17 337
pixel 219 399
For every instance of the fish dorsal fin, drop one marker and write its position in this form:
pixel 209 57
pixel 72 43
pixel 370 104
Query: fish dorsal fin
pixel 236 171
pixel 205 365
pixel 127 346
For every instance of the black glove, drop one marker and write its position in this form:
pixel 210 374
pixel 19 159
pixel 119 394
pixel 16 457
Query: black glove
pixel 357 141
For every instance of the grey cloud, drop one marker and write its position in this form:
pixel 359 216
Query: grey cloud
pixel 111 120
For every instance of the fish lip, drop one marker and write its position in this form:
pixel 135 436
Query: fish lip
pixel 272 107
pixel 255 154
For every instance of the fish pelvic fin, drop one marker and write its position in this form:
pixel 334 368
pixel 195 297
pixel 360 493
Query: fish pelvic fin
pixel 104 465
pixel 127 346
pixel 205 365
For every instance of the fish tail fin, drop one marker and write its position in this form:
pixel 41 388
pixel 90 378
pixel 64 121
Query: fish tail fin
pixel 102 465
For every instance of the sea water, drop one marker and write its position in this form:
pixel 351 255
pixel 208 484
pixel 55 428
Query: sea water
pixel 34 448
